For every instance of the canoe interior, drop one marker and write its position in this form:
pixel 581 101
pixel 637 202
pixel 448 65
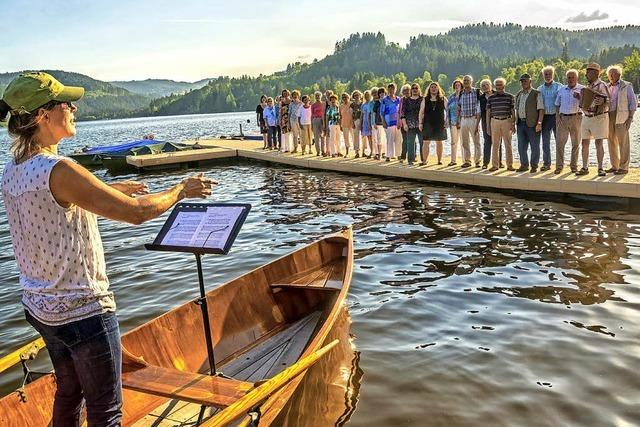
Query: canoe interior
pixel 261 323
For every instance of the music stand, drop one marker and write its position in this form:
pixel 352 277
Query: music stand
pixel 202 228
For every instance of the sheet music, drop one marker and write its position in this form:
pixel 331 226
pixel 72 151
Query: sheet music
pixel 205 229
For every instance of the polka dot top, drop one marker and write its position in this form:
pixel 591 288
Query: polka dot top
pixel 58 250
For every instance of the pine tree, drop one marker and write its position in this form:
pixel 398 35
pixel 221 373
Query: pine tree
pixel 565 52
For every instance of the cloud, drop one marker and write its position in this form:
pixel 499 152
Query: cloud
pixel 596 15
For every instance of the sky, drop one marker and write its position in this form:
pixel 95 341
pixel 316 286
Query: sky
pixel 189 40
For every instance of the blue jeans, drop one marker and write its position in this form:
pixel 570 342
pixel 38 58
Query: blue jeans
pixel 548 126
pixel 528 137
pixel 87 360
pixel 271 137
pixel 410 144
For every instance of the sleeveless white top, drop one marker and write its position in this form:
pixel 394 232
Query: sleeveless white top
pixel 58 250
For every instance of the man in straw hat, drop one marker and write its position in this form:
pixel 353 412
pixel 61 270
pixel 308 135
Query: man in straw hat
pixel 595 121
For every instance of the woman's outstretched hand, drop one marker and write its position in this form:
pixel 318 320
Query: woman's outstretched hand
pixel 197 187
pixel 132 188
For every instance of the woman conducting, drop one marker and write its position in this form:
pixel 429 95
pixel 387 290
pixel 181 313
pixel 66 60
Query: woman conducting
pixel 52 205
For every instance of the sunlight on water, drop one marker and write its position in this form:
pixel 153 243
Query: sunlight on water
pixel 466 307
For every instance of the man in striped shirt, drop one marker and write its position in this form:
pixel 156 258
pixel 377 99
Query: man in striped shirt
pixel 469 113
pixel 501 118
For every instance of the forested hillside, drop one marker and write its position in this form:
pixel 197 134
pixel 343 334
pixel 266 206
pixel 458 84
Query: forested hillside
pixel 102 100
pixel 156 88
pixel 364 60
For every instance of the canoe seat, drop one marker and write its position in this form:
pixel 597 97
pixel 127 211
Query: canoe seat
pixel 329 277
pixel 206 390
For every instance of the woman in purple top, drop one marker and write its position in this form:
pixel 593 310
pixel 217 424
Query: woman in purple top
pixel 411 121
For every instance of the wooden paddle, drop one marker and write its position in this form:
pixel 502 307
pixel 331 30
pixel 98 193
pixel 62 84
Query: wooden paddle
pixel 27 351
pixel 265 389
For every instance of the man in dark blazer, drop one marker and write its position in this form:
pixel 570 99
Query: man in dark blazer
pixel 529 116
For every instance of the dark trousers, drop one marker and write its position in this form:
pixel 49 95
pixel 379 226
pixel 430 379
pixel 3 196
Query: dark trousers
pixel 548 126
pixel 87 360
pixel 403 155
pixel 486 148
pixel 271 136
pixel 409 144
pixel 279 135
pixel 528 137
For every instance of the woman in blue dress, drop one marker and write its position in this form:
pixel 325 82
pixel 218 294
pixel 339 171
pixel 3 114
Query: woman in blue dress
pixel 367 111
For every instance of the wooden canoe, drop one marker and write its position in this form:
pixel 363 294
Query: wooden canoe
pixel 268 324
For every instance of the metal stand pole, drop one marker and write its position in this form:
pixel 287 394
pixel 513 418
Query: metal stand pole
pixel 202 302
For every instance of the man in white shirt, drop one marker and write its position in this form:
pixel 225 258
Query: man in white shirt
pixel 568 121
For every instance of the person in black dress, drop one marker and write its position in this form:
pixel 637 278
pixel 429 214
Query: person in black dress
pixel 260 120
pixel 432 122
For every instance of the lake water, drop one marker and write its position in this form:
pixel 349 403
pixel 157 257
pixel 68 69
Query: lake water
pixel 466 307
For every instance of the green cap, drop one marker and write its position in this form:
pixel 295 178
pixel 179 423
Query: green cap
pixel 29 91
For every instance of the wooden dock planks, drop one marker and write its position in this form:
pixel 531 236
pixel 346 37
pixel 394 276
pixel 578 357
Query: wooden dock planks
pixel 625 186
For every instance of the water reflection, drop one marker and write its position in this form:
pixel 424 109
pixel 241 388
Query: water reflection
pixel 469 307
pixel 487 285
pixel 328 394
pixel 499 237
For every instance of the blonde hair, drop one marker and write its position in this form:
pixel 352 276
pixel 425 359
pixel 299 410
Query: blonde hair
pixel 405 87
pixel 418 86
pixel 295 92
pixel 483 81
pixel 316 93
pixel 548 68
pixel 616 68
pixel 572 71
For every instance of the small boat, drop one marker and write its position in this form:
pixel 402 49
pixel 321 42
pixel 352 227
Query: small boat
pixel 92 156
pixel 116 162
pixel 268 326
pixel 113 157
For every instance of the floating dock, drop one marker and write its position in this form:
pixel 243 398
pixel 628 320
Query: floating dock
pixel 623 186
pixel 183 158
